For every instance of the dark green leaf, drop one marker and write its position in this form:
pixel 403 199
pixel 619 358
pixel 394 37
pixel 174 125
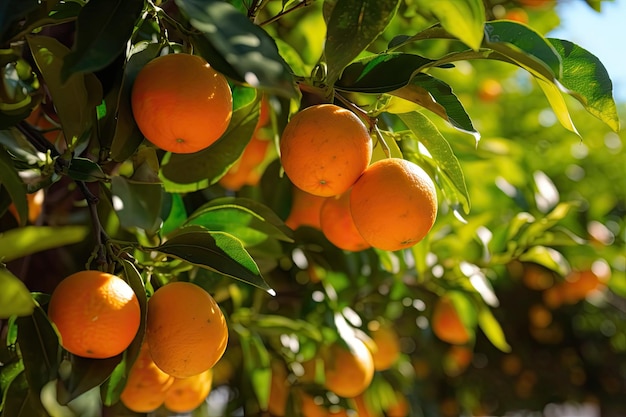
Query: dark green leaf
pixel 213 162
pixel 39 345
pixel 462 18
pixel 103 29
pixel 492 329
pixel 439 148
pixel 217 251
pixel 246 219
pixel 353 25
pixel 242 45
pixel 74 100
pixel 437 96
pixel 588 81
pixel 176 216
pixel 22 401
pixel 15 299
pixel 13 10
pixel 137 204
pixel 524 47
pixel 83 169
pixel 84 375
pixel 12 183
pixel 256 360
pixel 381 73
pixel 16 243
pixel 127 136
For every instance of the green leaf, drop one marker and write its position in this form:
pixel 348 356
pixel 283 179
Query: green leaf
pixel 588 81
pixel 245 47
pixel 437 96
pixel 212 163
pixel 83 169
pixel 85 374
pixel 15 299
pixel 558 104
pixel 256 360
pixel 23 401
pixel 381 73
pixel 74 100
pixel 217 251
pixel 275 325
pixel 16 243
pixel 176 216
pixel 137 204
pixel 39 345
pixel 548 257
pixel 103 29
pixel 353 25
pixel 439 148
pixel 246 219
pixel 523 46
pixel 462 18
pixel 12 183
pixel 11 11
pixel 127 136
pixel 492 329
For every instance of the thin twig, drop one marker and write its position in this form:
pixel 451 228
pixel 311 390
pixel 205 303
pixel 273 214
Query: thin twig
pixel 99 232
pixel 300 5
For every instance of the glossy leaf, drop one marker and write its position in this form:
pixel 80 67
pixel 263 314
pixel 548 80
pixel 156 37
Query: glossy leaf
pixel 217 251
pixel 352 26
pixel 439 148
pixel 588 81
pixel 103 28
pixel 11 11
pixel 437 96
pixel 246 48
pixel 16 243
pixel 381 73
pixel 523 46
pixel 15 298
pixel 548 257
pixel 39 345
pixel 463 19
pixel 558 104
pixel 212 163
pixel 246 219
pixel 127 136
pixel 83 169
pixel 492 329
pixel 85 374
pixel 137 204
pixel 11 182
pixel 75 99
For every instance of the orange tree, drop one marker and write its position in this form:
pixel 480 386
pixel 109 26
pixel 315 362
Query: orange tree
pixel 498 114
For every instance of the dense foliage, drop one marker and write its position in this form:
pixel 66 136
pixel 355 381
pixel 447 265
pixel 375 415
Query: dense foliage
pixel 518 130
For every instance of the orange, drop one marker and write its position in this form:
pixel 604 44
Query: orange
pixel 35 206
pixel 393 204
pixel 447 324
pixel 180 103
pixel 185 329
pixel 187 394
pixel 146 385
pixel 324 149
pixel 579 284
pixel 305 210
pixel 337 224
pixel 96 314
pixel 517 15
pixel 537 277
pixel 457 359
pixel 387 345
pixel 310 408
pixel 349 368
pixel 363 409
pixel 539 316
pixel 398 409
pixel 48 127
pixel 279 390
pixel 489 90
pixel 246 171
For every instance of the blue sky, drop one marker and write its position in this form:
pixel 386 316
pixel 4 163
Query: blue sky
pixel 603 34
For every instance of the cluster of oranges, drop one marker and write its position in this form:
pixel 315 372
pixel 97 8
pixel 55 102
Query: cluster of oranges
pixel 348 366
pixel 326 152
pixel 98 316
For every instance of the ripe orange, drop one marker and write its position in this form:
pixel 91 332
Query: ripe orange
pixel 400 408
pixel 447 324
pixel 246 170
pixel 324 149
pixel 578 285
pixel 337 224
pixel 310 408
pixel 305 210
pixel 187 394
pixel 457 359
pixel 393 204
pixel 348 369
pixel 517 15
pixel 279 390
pixel 97 314
pixel 186 329
pixel 35 206
pixel 180 103
pixel 387 344
pixel 50 129
pixel 146 385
